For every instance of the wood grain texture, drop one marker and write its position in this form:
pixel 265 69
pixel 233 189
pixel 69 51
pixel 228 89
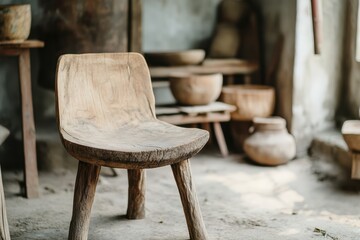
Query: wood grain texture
pixel 4 226
pixel 194 220
pixel 106 114
pixel 28 127
pixel 22 44
pixel 181 119
pixel 81 26
pixel 351 134
pixel 241 67
pixel 135 41
pixel 85 186
pixel 317 25
pixel 136 194
pixel 355 169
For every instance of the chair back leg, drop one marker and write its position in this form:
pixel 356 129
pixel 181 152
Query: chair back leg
pixel 194 220
pixel 136 195
pixel 85 186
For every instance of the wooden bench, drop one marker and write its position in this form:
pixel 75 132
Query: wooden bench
pixel 214 114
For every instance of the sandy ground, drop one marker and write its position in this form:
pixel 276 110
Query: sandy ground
pixel 238 201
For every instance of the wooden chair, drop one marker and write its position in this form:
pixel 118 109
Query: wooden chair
pixel 106 117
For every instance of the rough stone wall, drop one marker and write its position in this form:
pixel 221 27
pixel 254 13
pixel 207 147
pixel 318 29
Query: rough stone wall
pixel 317 78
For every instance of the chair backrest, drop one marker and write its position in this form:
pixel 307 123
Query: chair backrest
pixel 105 91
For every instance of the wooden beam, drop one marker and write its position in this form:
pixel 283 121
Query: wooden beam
pixel 135 25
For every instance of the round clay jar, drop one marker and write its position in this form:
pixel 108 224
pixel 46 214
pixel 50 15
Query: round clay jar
pixel 15 22
pixel 270 143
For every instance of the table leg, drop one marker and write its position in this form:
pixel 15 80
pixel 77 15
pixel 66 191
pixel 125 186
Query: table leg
pixel 220 139
pixel 247 79
pixel 206 126
pixel 28 127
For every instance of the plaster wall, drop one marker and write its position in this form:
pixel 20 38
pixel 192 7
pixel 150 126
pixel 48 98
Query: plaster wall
pixel 177 25
pixel 317 78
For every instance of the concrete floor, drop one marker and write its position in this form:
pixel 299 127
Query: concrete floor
pixel 238 200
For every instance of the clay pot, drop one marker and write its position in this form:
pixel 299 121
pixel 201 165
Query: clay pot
pixel 251 101
pixel 226 41
pixel 15 22
pixel 196 89
pixel 270 142
pixel 233 11
pixel 178 58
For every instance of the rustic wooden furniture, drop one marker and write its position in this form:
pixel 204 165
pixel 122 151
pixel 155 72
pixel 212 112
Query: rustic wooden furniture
pixel 227 67
pixel 22 50
pixel 214 114
pixel 4 227
pixel 106 117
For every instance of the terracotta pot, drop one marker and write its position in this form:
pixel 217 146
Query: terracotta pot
pixel 270 142
pixel 178 58
pixel 251 100
pixel 15 22
pixel 226 41
pixel 196 89
pixel 233 11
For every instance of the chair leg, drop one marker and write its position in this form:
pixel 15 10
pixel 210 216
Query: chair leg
pixel 136 194
pixel 194 220
pixel 4 227
pixel 85 186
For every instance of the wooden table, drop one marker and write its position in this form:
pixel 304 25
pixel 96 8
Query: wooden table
pixel 228 67
pixel 214 114
pixel 22 50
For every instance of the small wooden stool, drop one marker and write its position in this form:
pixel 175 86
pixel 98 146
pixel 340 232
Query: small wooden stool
pixel 214 114
pixel 106 117
pixel 22 50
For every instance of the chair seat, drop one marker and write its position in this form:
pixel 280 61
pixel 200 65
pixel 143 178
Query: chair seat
pixel 145 145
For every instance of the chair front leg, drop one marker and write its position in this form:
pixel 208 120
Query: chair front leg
pixel 194 220
pixel 85 186
pixel 136 194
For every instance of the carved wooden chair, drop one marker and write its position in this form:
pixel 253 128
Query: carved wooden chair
pixel 106 117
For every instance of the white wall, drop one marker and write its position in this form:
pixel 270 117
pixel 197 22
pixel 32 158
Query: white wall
pixel 317 78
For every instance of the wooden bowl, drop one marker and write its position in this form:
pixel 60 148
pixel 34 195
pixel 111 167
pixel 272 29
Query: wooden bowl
pixel 15 22
pixel 196 89
pixel 179 58
pixel 351 134
pixel 251 101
